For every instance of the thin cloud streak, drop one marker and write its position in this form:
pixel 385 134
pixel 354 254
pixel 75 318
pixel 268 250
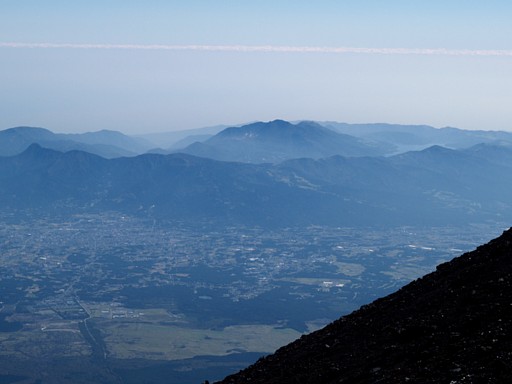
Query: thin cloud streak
pixel 266 48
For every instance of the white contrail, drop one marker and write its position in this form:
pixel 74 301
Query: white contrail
pixel 268 48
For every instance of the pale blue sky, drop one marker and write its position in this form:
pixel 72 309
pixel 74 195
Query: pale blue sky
pixel 134 90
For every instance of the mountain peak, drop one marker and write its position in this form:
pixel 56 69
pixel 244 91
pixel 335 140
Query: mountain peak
pixel 29 132
pixel 36 149
pixel 278 122
pixel 453 325
pixel 257 129
pixel 278 140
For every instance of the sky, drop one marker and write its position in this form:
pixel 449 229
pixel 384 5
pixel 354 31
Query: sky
pixel 154 66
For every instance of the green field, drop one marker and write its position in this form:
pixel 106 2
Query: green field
pixel 127 340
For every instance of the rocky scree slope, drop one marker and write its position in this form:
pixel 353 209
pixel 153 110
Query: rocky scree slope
pixel 451 326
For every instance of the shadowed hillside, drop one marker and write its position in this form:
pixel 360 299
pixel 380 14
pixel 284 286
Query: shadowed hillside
pixel 436 186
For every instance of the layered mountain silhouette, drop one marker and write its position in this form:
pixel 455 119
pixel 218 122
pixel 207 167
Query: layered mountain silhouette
pixel 260 142
pixel 172 139
pixel 416 137
pixel 280 140
pixel 451 326
pixel 436 186
pixel 108 144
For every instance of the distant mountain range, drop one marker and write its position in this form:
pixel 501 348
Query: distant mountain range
pixel 405 138
pixel 172 140
pixel 108 144
pixel 451 326
pixel 280 140
pixel 434 186
pixel 270 142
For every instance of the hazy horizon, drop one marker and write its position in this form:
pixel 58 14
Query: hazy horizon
pixel 162 66
pixel 192 129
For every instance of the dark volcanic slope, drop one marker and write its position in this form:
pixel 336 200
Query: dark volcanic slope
pixel 451 326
